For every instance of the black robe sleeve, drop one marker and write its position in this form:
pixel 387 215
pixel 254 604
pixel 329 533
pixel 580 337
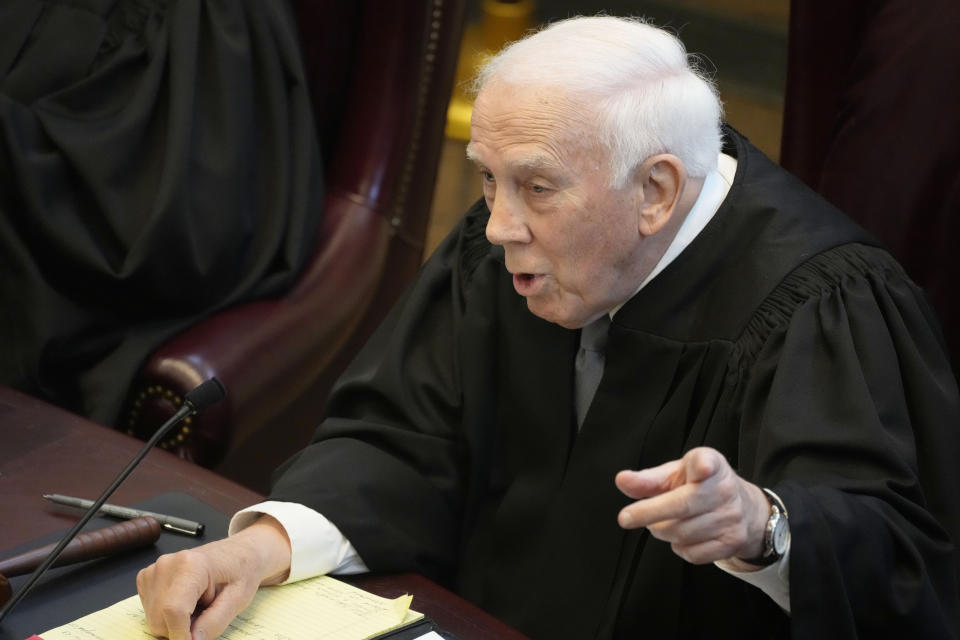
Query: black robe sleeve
pixel 389 464
pixel 851 411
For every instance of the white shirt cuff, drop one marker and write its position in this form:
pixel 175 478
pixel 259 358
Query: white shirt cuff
pixel 773 580
pixel 316 545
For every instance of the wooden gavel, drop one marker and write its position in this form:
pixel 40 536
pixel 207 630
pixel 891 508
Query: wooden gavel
pixel 99 543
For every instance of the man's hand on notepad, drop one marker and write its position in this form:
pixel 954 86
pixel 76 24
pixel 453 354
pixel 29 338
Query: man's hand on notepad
pixel 194 594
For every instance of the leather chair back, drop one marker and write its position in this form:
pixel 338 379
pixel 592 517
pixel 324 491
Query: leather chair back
pixel 381 74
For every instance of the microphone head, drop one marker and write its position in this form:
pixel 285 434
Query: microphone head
pixel 207 393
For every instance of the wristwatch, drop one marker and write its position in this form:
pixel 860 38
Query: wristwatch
pixel 776 535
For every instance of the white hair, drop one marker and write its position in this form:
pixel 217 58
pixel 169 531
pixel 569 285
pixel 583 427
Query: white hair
pixel 649 95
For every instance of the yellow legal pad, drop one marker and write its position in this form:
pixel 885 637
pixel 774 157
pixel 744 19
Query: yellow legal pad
pixel 321 608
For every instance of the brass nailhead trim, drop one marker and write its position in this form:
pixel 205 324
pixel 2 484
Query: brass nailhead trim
pixel 172 440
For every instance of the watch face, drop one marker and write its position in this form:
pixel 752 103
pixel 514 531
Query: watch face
pixel 780 534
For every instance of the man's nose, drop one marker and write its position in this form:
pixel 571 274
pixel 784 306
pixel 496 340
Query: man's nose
pixel 505 224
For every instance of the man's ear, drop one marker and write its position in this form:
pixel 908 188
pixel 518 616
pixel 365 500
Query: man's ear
pixel 662 178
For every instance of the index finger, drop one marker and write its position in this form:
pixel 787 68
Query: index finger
pixel 177 622
pixel 169 597
pixel 677 504
pixel 228 603
pixel 650 481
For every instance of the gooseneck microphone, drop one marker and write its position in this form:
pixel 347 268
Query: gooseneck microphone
pixel 204 395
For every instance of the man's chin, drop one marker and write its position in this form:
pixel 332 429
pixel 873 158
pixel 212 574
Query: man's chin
pixel 562 317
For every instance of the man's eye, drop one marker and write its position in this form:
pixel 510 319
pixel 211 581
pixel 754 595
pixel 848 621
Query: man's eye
pixel 487 176
pixel 536 188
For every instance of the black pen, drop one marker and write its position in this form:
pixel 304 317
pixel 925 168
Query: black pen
pixel 169 523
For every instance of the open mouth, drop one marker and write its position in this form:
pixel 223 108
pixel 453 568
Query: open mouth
pixel 527 284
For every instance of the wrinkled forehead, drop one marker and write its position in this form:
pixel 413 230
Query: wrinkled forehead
pixel 507 116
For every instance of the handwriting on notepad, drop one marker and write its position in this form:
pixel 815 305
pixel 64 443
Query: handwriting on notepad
pixel 122 620
pixel 324 607
pixel 329 608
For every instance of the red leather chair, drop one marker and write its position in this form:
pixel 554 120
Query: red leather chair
pixel 381 73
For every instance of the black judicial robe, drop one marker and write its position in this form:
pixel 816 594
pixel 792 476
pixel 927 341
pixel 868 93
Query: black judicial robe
pixel 157 162
pixel 781 336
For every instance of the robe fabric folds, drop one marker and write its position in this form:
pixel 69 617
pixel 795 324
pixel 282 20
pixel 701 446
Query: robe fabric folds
pixel 158 161
pixel 782 336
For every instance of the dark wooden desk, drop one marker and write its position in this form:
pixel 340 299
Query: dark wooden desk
pixel 46 450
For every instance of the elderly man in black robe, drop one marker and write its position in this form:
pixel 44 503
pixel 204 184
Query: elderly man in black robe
pixel 651 386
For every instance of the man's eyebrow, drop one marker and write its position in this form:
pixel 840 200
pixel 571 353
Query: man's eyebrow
pixel 538 161
pixel 472 155
pixel 531 162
